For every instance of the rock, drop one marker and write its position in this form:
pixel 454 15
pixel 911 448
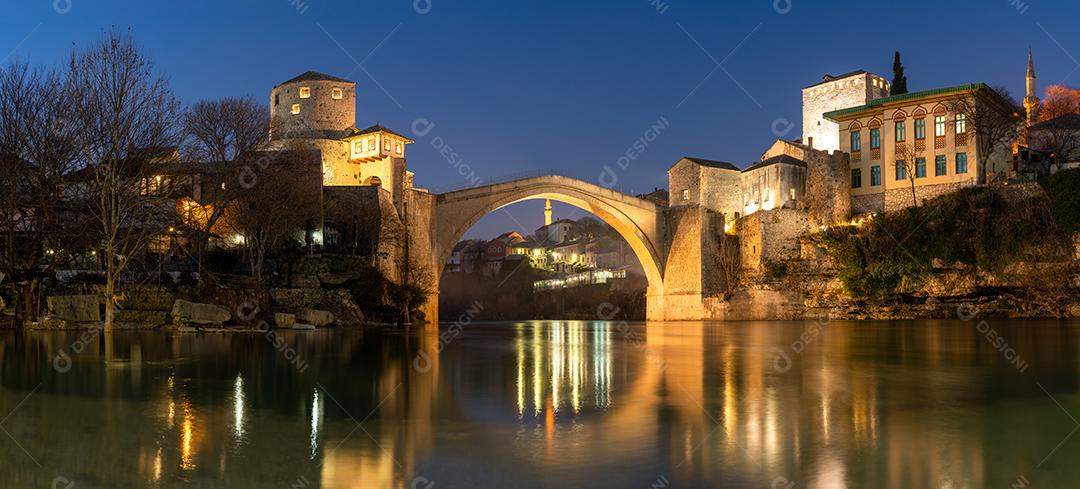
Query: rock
pixel 75 308
pixel 50 323
pixel 184 312
pixel 304 327
pixel 1073 310
pixel 315 317
pixel 284 321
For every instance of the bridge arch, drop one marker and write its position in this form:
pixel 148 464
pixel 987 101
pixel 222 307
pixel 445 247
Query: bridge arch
pixel 638 221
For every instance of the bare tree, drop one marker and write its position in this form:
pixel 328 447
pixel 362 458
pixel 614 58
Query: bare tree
pixel 906 155
pixel 1058 131
pixel 993 118
pixel 125 115
pixel 280 208
pixel 222 130
pixel 40 230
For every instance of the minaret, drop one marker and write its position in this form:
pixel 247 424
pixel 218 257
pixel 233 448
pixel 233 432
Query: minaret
pixel 547 213
pixel 1031 101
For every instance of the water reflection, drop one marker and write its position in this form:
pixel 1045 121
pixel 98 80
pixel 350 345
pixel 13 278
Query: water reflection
pixel 547 404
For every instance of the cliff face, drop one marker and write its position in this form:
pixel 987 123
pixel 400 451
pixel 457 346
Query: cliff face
pixel 990 252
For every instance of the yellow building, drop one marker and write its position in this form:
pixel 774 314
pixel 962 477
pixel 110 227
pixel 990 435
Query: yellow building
pixel 930 134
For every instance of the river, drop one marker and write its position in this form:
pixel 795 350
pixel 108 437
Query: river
pixel 548 404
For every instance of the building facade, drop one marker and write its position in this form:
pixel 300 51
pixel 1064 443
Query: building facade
pixel 925 135
pixel 834 93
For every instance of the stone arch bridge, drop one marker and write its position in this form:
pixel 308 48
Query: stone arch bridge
pixel 667 241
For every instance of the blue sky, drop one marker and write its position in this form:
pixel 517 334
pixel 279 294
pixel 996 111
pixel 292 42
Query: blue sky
pixel 530 85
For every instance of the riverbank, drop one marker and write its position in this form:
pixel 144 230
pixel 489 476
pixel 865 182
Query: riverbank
pixel 1011 252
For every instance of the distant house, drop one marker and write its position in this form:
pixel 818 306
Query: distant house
pixel 558 232
pixel 1059 140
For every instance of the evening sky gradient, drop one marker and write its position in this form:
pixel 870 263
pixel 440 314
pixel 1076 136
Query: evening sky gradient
pixel 528 85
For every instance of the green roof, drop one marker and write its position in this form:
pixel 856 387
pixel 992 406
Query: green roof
pixel 833 115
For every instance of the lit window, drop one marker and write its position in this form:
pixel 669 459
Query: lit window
pixel 875 138
pixel 939 165
pixel 337 94
pixel 920 167
pixel 901 169
pixel 875 176
pixel 856 141
pixel 920 128
pixel 295 109
pixel 792 193
pixel 371 144
pixel 399 148
pixel 961 123
pixel 358 146
pixel 856 178
pixel 901 132
pixel 305 92
pixel 961 163
pixel 939 126
pixel 686 194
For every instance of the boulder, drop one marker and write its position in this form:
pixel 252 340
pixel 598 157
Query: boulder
pixel 315 317
pixel 304 327
pixel 75 308
pixel 284 321
pixel 184 312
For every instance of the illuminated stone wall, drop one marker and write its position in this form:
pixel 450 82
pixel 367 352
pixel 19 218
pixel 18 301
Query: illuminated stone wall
pixel 771 236
pixel 321 116
pixel 843 93
pixel 828 188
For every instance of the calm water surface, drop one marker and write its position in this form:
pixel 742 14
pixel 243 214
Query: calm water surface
pixel 549 405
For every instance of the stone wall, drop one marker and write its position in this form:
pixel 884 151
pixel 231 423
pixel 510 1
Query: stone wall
pixel 320 114
pixel 771 236
pixel 869 203
pixel 847 92
pixel 828 189
pixel 900 198
pixel 772 186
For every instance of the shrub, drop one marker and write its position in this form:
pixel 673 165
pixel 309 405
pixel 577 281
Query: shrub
pixel 1061 188
pixel 974 226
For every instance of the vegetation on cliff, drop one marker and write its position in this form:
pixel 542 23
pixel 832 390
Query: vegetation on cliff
pixel 1061 188
pixel 981 227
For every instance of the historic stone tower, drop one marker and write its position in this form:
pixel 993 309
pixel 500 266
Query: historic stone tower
pixel 834 93
pixel 312 106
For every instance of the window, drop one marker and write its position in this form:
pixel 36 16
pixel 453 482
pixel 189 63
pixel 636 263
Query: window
pixel 961 163
pixel 901 170
pixel 305 92
pixel 295 109
pixel 336 94
pixel 371 144
pixel 939 165
pixel 792 193
pixel 277 98
pixel 901 132
pixel 939 126
pixel 875 138
pixel 856 141
pixel 875 176
pixel 686 194
pixel 961 123
pixel 920 128
pixel 856 178
pixel 398 148
pixel 920 167
pixel 767 194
